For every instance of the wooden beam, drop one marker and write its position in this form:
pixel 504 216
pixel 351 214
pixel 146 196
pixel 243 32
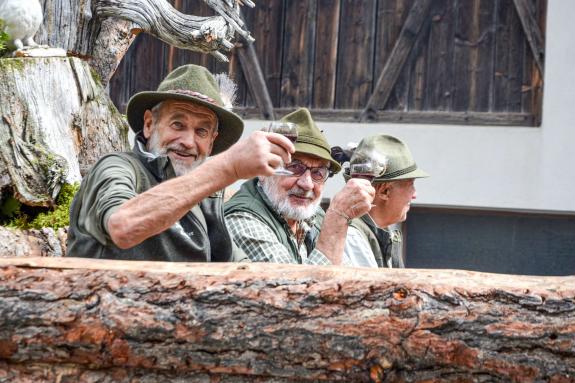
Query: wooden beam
pixel 394 65
pixel 532 32
pixel 449 118
pixel 95 320
pixel 255 80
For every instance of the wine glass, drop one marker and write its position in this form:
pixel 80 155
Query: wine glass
pixel 368 168
pixel 287 129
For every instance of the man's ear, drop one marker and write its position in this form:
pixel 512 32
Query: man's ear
pixel 382 191
pixel 148 122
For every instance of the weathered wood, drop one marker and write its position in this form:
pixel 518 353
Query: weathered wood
pixel 532 32
pixel 240 321
pixel 266 21
pixel 255 79
pixel 81 28
pixel 393 67
pixel 325 65
pixel 55 121
pixel 391 17
pixel 439 70
pixel 455 118
pixel 32 243
pixel 132 77
pixel 298 48
pixel 161 19
pixel 355 54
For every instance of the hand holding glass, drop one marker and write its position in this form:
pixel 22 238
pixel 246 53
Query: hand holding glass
pixel 287 129
pixel 367 169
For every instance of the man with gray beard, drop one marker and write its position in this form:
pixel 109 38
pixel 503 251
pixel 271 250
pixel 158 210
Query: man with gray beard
pixel 163 200
pixel 278 218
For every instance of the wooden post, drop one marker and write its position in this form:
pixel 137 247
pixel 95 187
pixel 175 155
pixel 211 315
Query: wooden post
pixel 84 320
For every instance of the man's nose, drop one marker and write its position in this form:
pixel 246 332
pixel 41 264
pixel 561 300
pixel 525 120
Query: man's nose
pixel 304 181
pixel 414 196
pixel 188 140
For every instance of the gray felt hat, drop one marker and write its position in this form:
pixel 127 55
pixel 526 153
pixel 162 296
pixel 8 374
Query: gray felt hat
pixel 398 158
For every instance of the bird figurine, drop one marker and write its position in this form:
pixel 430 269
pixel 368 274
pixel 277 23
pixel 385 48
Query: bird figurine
pixel 21 19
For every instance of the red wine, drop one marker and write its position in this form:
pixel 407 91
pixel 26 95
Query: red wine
pixel 291 137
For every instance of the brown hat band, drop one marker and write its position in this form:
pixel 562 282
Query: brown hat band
pixel 193 94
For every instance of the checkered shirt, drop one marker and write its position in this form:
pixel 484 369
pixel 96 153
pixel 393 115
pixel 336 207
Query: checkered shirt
pixel 260 243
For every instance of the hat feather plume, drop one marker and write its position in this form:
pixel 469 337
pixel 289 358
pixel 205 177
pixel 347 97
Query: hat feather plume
pixel 228 89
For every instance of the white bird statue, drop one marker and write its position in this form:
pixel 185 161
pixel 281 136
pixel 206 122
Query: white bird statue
pixel 21 19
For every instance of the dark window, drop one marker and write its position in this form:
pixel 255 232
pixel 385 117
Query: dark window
pixel 529 244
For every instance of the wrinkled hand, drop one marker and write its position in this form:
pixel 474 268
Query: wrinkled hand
pixel 355 198
pixel 259 154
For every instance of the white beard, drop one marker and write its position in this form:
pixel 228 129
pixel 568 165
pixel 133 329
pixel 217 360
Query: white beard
pixel 281 203
pixel 180 167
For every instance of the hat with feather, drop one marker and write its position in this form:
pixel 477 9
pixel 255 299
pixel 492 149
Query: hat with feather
pixel 193 83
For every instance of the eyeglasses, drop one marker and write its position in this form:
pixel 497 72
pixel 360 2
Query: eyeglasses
pixel 318 174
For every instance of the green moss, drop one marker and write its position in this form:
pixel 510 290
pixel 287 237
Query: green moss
pixel 12 63
pixel 56 218
pixel 4 38
pixel 95 76
pixel 10 207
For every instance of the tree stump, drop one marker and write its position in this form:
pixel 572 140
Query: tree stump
pixel 91 320
pixel 55 120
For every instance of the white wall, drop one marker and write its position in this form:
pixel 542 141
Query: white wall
pixel 495 167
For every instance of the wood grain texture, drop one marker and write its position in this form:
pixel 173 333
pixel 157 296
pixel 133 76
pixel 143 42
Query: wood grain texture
pixel 394 65
pixel 56 120
pixel 298 53
pixel 325 65
pixel 355 57
pixel 125 320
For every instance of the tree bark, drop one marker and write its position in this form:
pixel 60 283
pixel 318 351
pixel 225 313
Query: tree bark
pixel 55 121
pixel 87 320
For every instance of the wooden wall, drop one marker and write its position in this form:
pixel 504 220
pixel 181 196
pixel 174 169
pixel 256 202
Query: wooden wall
pixel 470 62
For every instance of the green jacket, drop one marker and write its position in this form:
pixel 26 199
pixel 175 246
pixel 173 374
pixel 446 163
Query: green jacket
pixel 115 178
pixel 385 244
pixel 251 200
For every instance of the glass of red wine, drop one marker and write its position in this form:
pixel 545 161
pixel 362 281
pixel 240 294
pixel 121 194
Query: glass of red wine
pixel 367 168
pixel 287 129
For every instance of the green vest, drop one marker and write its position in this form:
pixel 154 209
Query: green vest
pixel 190 242
pixel 250 199
pixel 385 244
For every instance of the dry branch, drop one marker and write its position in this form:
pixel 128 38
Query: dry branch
pixel 162 20
pixel 90 320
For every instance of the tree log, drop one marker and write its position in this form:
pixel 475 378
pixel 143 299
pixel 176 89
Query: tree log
pixel 55 121
pixel 86 320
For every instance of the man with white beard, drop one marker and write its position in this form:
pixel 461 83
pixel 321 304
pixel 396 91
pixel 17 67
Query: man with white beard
pixel 163 200
pixel 278 218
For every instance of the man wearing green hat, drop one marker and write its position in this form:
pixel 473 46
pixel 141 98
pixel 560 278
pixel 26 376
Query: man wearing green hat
pixel 163 201
pixel 370 241
pixel 278 218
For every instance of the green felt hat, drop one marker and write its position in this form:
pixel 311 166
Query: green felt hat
pixel 400 162
pixel 189 83
pixel 310 140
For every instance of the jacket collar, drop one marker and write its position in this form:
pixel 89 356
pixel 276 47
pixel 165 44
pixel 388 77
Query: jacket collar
pixel 159 166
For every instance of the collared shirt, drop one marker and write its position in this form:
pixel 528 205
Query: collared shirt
pixel 357 251
pixel 261 244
